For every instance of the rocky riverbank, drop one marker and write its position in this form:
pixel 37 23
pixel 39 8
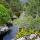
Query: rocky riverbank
pixel 30 37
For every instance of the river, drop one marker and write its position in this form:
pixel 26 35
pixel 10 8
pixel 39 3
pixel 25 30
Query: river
pixel 12 35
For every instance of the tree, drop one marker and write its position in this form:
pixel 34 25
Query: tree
pixel 33 8
pixel 4 14
pixel 15 6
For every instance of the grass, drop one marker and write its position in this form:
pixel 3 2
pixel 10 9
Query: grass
pixel 23 31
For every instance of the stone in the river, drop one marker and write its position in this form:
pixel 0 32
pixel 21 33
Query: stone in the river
pixel 4 29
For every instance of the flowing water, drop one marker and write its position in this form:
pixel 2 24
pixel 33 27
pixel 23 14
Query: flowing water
pixel 12 34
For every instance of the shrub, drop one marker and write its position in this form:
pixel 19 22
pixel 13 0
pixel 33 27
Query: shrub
pixel 26 21
pixel 33 26
pixel 4 14
pixel 33 8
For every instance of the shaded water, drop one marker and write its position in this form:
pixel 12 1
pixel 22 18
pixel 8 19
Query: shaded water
pixel 12 34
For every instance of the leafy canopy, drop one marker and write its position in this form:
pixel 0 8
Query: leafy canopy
pixel 4 15
pixel 33 8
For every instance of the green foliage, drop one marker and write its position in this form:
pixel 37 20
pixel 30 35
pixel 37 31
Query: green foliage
pixel 30 23
pixel 14 6
pixel 4 14
pixel 25 22
pixel 28 26
pixel 36 24
pixel 23 32
pixel 33 8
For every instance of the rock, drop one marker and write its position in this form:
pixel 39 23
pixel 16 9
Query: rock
pixel 4 29
pixel 21 38
pixel 30 37
pixel 27 37
pixel 33 36
pixel 37 38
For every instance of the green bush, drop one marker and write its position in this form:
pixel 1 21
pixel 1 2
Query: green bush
pixel 35 24
pixel 26 21
pixel 4 14
pixel 32 26
pixel 33 8
pixel 21 33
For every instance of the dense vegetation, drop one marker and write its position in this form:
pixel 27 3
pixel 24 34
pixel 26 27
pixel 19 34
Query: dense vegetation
pixel 33 8
pixel 4 14
pixel 28 22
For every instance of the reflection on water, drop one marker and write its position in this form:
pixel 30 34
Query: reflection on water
pixel 12 34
